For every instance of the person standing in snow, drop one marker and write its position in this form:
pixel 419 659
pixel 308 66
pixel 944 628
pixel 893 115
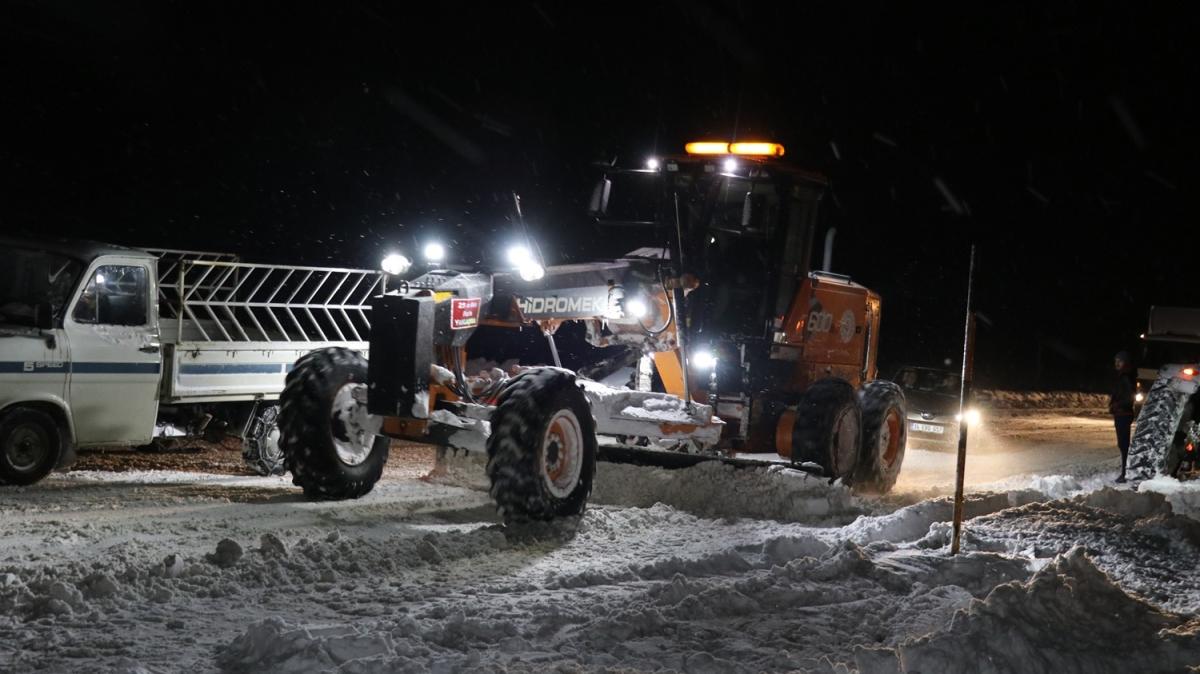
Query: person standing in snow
pixel 1120 404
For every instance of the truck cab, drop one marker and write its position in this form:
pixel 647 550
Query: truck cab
pixel 80 356
pixel 1172 337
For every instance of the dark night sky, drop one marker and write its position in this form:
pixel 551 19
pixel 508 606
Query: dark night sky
pixel 327 134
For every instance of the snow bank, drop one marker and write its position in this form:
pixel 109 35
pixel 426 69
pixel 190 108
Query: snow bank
pixel 710 489
pixel 717 490
pixel 1133 537
pixel 913 522
pixel 1028 488
pixel 1184 497
pixel 1070 617
pixel 176 477
pixel 1030 400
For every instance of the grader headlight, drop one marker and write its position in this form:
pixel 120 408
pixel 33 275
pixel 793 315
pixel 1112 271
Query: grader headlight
pixel 434 252
pixel 636 307
pixel 395 264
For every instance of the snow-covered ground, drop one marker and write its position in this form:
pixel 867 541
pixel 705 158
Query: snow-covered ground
pixel 707 569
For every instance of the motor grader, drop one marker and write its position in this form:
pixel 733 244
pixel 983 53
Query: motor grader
pixel 737 347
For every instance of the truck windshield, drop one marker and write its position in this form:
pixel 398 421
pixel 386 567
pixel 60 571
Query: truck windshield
pixel 1155 354
pixel 32 277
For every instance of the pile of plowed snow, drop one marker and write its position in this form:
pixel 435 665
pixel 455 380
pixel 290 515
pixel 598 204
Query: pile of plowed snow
pixel 897 603
pixel 706 569
pixel 879 595
pixel 1068 618
pixel 1040 400
pixel 710 489
pixel 714 489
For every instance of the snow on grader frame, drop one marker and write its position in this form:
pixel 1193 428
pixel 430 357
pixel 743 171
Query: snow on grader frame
pixel 736 355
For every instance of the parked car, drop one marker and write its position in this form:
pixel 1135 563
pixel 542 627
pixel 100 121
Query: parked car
pixel 932 395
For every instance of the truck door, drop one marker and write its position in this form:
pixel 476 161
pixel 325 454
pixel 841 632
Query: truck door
pixel 116 358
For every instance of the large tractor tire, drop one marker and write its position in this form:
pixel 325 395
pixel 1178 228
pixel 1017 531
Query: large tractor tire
pixel 330 443
pixel 542 449
pixel 30 446
pixel 828 429
pixel 884 436
pixel 261 448
pixel 1158 441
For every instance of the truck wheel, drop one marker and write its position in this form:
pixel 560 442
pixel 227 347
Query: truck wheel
pixel 828 429
pixel 884 436
pixel 261 447
pixel 542 449
pixel 1158 428
pixel 30 446
pixel 330 444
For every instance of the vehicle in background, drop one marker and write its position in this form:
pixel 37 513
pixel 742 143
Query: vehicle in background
pixel 1166 439
pixel 102 345
pixel 1172 337
pixel 932 395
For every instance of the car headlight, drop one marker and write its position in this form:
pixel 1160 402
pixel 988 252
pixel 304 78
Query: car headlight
pixel 972 417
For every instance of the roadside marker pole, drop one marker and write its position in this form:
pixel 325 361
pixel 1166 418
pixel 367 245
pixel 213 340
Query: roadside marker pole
pixel 963 394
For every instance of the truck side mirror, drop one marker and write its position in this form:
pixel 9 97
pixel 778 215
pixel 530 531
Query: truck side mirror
pixel 43 316
pixel 599 202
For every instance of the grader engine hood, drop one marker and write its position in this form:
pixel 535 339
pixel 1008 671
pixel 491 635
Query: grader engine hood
pixel 438 309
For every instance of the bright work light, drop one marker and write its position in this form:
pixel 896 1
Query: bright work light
pixel 704 360
pixel 395 264
pixel 435 252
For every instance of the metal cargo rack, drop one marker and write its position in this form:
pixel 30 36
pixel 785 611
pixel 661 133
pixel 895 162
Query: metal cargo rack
pixel 216 298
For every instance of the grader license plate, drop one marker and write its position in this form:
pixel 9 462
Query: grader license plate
pixel 464 313
pixel 928 428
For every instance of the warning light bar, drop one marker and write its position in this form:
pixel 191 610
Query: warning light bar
pixel 706 147
pixel 757 149
pixel 754 149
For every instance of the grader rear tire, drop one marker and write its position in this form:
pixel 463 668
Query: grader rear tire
pixel 884 436
pixel 542 450
pixel 330 444
pixel 828 429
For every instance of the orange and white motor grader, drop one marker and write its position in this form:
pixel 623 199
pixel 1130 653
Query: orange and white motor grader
pixel 740 349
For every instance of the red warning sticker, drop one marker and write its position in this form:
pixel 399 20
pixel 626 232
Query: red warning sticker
pixel 464 313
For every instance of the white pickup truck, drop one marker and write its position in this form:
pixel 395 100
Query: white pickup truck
pixel 102 345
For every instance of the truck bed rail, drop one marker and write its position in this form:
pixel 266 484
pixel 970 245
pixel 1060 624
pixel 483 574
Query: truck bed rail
pixel 216 299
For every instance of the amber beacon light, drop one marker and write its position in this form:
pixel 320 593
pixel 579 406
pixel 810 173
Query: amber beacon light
pixel 750 149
